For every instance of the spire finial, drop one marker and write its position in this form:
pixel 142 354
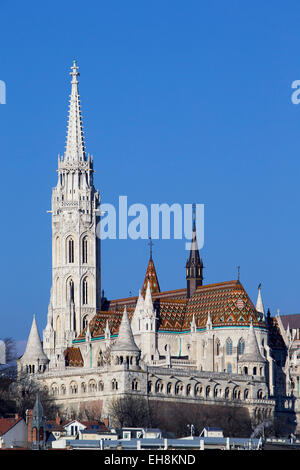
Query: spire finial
pixel 75 149
pixel 194 217
pixel 74 72
pixel 151 245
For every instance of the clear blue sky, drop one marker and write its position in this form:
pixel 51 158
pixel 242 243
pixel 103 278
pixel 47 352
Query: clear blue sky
pixel 182 102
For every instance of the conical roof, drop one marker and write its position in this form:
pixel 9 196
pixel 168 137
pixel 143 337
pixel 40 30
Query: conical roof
pixel 125 341
pixel 259 303
pixel 34 350
pixel 38 411
pixel 151 277
pixel 252 352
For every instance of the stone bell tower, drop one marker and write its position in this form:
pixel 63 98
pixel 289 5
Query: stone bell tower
pixel 76 291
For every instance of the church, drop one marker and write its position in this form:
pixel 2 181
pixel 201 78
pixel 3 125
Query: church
pixel 204 344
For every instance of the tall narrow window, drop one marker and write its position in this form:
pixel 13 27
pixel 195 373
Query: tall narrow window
pixel 85 291
pixel 57 251
pixel 229 346
pixel 70 250
pixel 241 346
pixel 70 290
pixel 85 250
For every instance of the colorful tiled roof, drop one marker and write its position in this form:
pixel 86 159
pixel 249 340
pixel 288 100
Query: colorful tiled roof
pixel 151 276
pixel 73 357
pixel 227 302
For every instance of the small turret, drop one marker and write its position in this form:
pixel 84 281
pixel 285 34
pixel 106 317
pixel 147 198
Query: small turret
pixel 125 351
pixel 259 304
pixel 34 359
pixel 252 362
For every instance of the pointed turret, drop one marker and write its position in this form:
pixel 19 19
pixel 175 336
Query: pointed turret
pixel 193 325
pixel 151 275
pixel 194 265
pixel 34 358
pixel 75 150
pixel 125 341
pixel 252 352
pixel 107 330
pixel 259 304
pixel 148 303
pixel 138 314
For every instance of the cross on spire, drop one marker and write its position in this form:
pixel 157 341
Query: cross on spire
pixel 151 245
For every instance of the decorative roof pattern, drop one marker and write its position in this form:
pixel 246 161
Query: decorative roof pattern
pixel 73 357
pixel 227 303
pixel 151 277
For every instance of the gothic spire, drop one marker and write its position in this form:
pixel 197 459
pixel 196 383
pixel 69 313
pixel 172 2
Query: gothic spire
pixel 75 150
pixel 151 277
pixel 194 265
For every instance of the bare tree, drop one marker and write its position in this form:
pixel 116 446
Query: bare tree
pixel 129 411
pixel 24 391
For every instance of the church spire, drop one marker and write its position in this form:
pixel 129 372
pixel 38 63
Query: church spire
pixel 194 265
pixel 75 150
pixel 151 276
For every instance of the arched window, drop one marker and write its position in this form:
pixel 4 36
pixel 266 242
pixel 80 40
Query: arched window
pixel 57 291
pixel 84 321
pixel 85 291
pixel 84 248
pixel 57 251
pixel 92 386
pixel 135 384
pixel 70 246
pixel 70 290
pixel 241 346
pixel 179 388
pixel 217 347
pixel 229 347
pixel 114 384
pixel 73 388
pixel 101 386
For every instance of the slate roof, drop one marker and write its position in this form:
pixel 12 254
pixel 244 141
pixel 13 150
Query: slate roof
pixel 293 321
pixel 7 423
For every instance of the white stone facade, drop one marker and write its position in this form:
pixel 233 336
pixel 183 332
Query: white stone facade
pixel 213 364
